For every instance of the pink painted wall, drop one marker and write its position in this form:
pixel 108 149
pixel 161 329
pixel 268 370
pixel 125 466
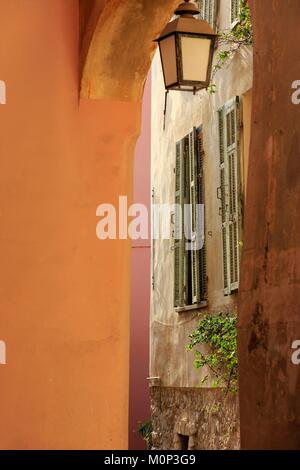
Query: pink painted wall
pixel 139 404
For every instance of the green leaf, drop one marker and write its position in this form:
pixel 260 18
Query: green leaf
pixel 218 333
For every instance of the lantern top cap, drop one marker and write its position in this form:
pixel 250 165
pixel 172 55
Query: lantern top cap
pixel 186 23
pixel 188 26
pixel 187 9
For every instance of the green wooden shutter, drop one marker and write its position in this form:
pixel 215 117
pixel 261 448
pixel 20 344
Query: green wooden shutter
pixel 189 265
pixel 199 4
pixel 212 12
pixel 196 181
pixel 208 11
pixel 186 200
pixel 179 244
pixel 229 131
pixel 235 10
pixel 233 155
pixel 224 204
pixel 201 200
pixel 207 5
pixel 195 261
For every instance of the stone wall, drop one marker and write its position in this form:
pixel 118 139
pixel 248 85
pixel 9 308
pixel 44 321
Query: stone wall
pixel 199 418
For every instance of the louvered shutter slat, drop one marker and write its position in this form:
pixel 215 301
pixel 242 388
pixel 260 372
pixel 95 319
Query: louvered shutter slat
pixel 223 132
pixel 235 10
pixel 236 190
pixel 201 200
pixel 179 237
pixel 221 135
pixel 230 191
pixel 198 256
pixel 208 11
pixel 195 262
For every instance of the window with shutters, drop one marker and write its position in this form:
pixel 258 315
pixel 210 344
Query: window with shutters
pixel 235 10
pixel 189 264
pixel 229 193
pixel 208 11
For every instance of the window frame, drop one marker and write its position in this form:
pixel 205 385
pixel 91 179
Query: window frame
pixel 190 283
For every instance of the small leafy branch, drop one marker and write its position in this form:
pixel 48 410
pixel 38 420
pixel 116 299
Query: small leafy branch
pixel 145 432
pixel 230 41
pixel 218 332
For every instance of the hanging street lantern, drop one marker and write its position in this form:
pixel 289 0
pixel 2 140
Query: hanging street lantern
pixel 186 49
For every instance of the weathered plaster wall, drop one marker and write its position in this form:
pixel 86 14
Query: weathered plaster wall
pixel 207 417
pixel 270 295
pixel 170 330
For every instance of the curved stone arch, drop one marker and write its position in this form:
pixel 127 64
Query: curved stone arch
pixel 117 45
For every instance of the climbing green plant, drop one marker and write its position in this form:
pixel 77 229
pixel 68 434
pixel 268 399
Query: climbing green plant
pixel 145 432
pixel 218 332
pixel 230 41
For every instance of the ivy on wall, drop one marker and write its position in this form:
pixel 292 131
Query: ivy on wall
pixel 218 332
pixel 230 41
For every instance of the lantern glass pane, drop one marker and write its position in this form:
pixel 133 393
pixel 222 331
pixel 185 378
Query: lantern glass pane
pixel 168 57
pixel 195 52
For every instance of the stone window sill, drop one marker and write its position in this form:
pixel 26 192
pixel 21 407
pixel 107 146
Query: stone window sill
pixel 187 308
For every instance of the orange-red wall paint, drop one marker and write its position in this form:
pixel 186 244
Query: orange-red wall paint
pixel 64 294
pixel 269 302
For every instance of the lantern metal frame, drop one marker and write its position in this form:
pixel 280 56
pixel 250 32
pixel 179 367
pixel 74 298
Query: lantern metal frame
pixel 187 26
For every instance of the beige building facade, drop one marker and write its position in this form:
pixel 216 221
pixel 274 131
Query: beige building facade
pixel 215 130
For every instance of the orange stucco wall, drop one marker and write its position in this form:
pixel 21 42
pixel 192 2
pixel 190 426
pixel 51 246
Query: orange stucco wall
pixel 269 295
pixel 63 293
